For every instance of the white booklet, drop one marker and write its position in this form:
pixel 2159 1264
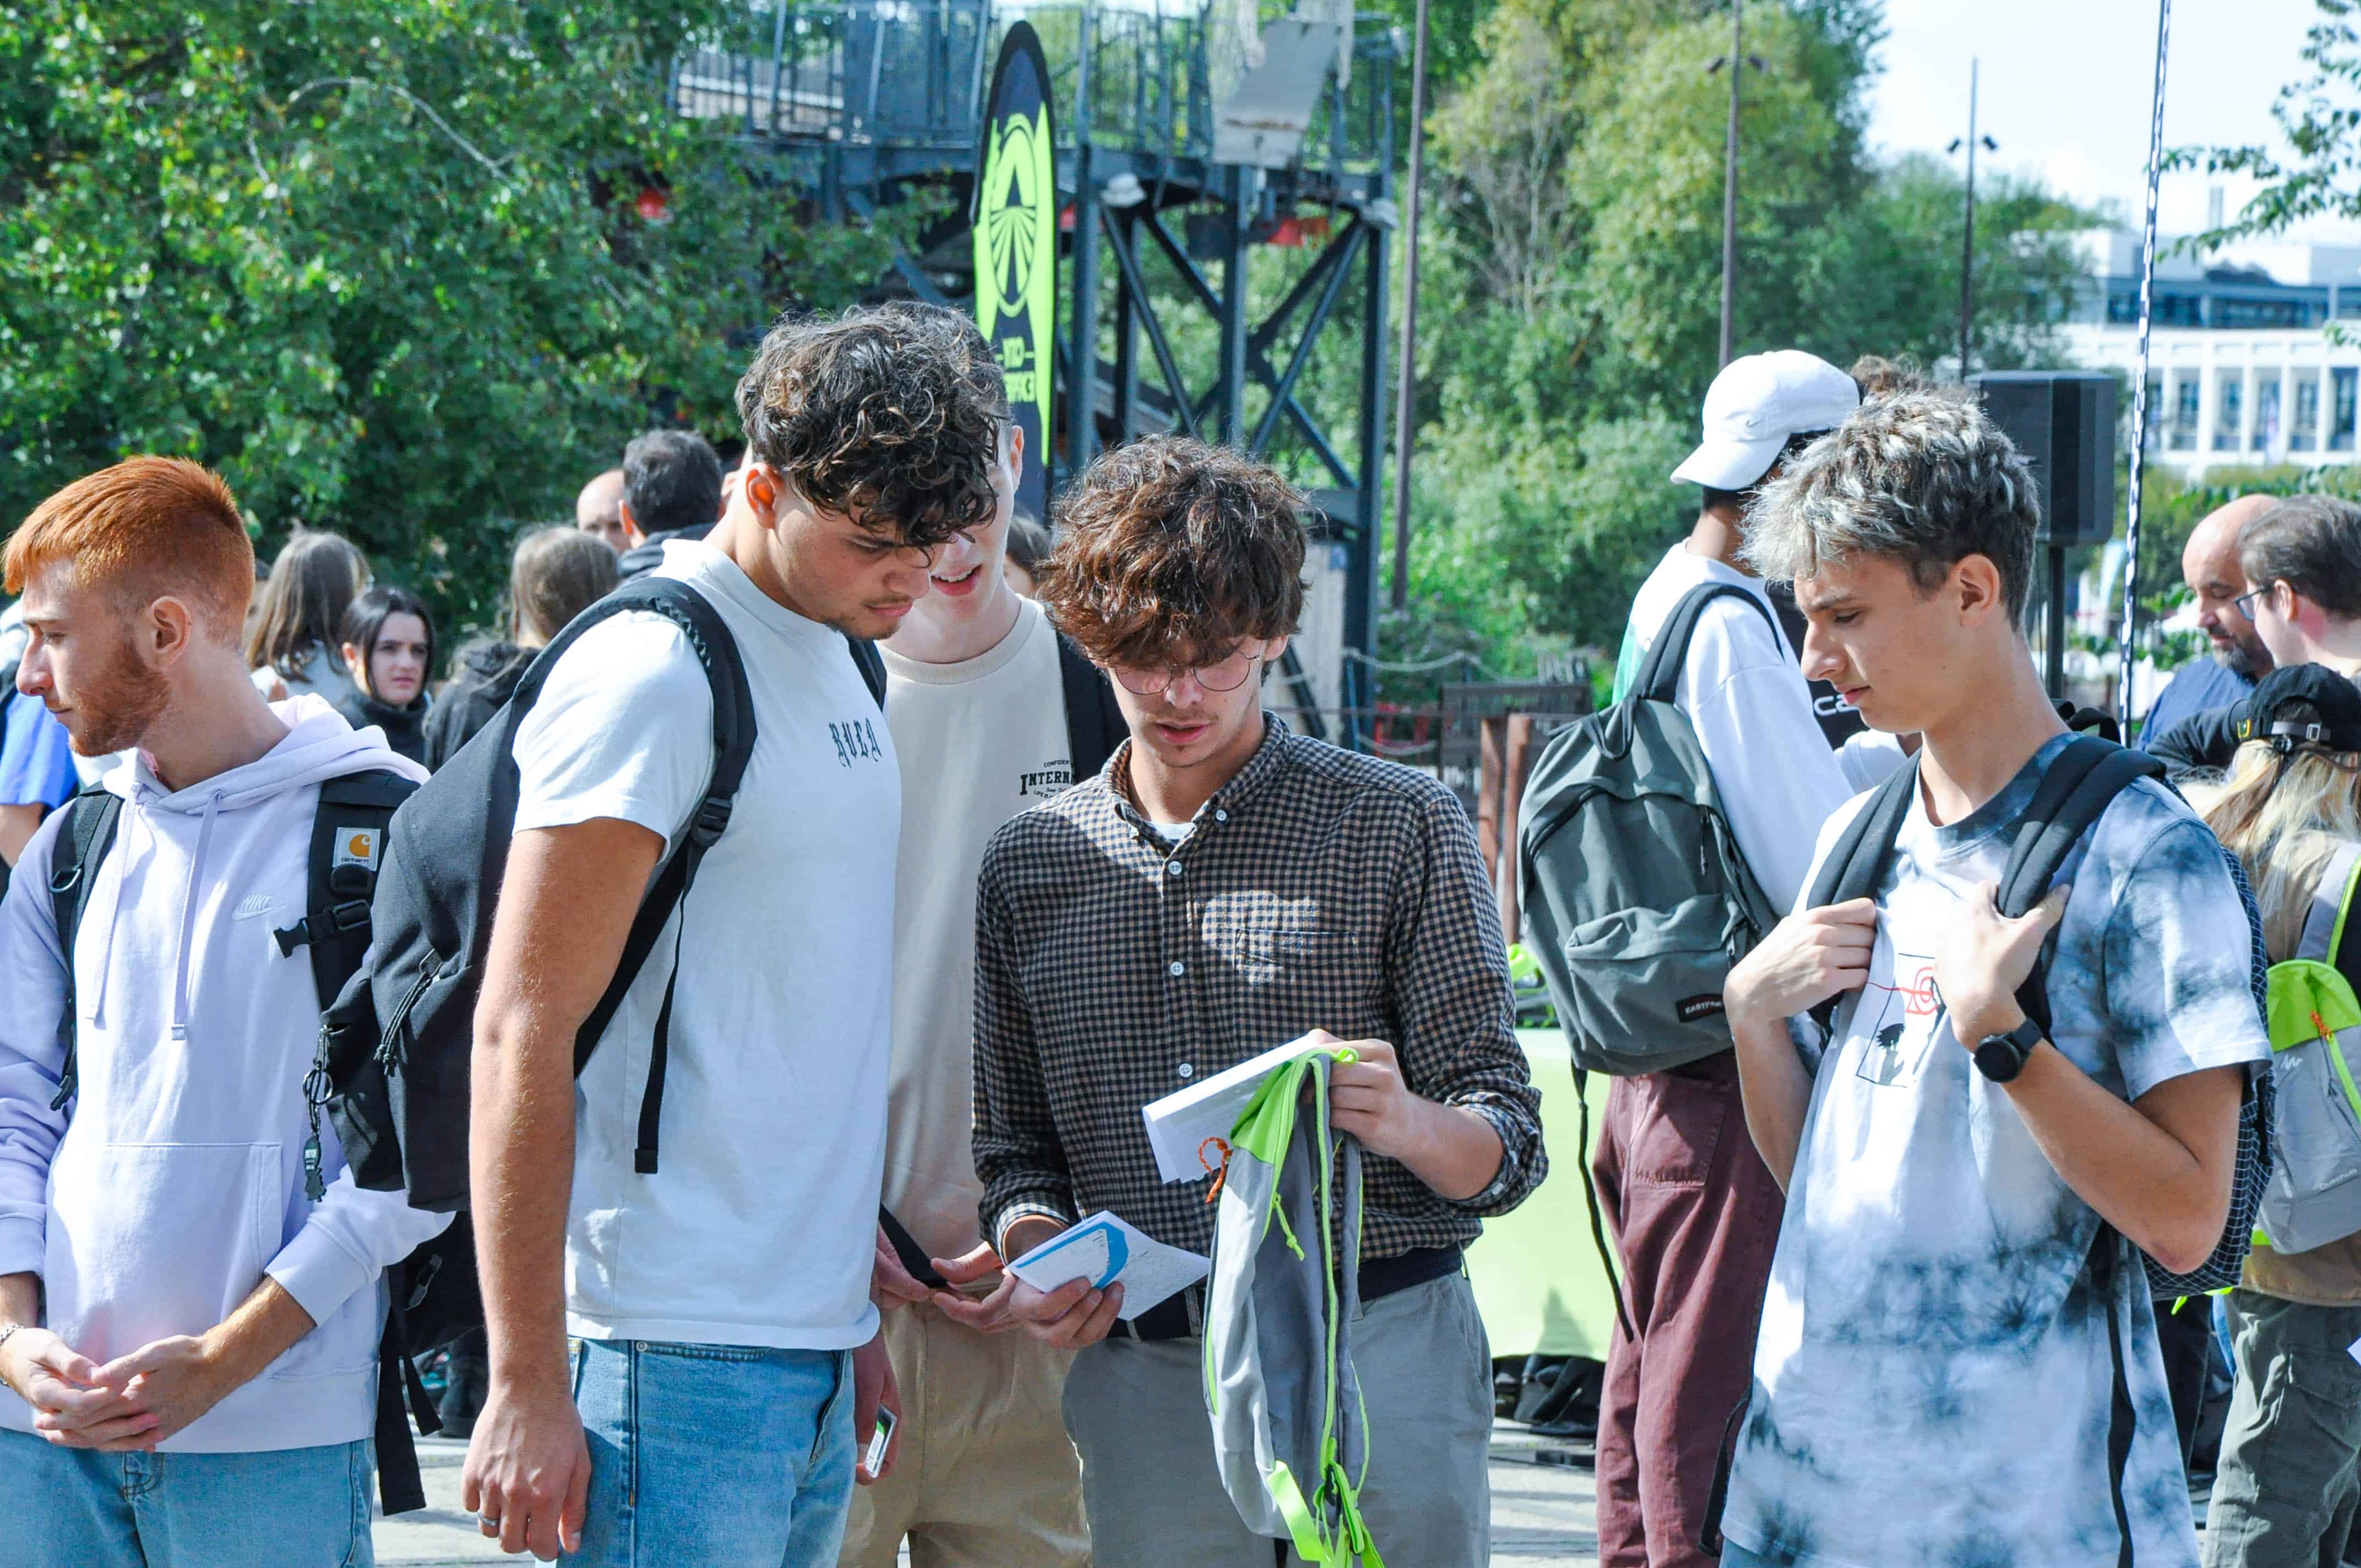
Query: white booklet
pixel 1181 1126
pixel 1106 1251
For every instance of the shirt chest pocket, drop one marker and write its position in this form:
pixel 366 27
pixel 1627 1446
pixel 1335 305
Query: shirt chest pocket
pixel 1295 978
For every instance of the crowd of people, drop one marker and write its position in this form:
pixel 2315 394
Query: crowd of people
pixel 1012 850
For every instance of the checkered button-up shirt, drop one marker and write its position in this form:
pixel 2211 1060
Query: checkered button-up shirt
pixel 1319 889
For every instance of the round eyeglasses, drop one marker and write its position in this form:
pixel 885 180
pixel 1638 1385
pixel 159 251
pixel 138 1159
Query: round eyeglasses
pixel 1223 675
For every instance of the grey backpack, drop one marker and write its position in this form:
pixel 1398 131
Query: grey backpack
pixel 1638 900
pixel 2314 1196
pixel 1290 1434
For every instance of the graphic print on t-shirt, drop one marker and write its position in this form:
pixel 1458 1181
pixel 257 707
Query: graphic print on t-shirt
pixel 856 740
pixel 1909 1012
pixel 1049 779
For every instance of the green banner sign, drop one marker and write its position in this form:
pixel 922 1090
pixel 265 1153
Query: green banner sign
pixel 1016 248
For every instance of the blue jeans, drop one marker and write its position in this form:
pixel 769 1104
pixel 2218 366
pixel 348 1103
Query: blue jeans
pixel 291 1507
pixel 714 1453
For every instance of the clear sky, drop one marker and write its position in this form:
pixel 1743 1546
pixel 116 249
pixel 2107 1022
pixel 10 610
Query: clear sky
pixel 2066 86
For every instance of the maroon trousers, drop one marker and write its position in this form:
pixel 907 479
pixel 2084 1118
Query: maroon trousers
pixel 1695 1217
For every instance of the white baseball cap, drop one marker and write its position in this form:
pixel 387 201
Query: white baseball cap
pixel 1755 405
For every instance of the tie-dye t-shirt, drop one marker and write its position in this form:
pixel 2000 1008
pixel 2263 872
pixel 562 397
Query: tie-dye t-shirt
pixel 1932 1384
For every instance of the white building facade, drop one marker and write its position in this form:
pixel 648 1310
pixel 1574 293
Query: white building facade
pixel 2243 367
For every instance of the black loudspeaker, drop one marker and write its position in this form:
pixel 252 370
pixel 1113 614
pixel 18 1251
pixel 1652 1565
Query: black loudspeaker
pixel 2064 422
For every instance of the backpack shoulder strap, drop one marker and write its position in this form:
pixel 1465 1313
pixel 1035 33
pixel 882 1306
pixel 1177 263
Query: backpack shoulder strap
pixel 1094 725
pixel 348 836
pixel 2331 906
pixel 1660 672
pixel 1856 863
pixel 733 742
pixel 348 847
pixel 708 638
pixel 2070 797
pixel 871 665
pixel 2082 780
pixel 92 817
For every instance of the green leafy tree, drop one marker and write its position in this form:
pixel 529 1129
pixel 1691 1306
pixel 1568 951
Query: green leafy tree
pixel 1582 168
pixel 411 269
pixel 2317 173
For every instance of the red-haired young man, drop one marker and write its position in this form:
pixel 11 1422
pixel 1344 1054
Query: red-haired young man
pixel 187 1339
pixel 1222 887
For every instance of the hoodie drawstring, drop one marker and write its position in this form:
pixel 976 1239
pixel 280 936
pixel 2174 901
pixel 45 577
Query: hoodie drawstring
pixel 189 919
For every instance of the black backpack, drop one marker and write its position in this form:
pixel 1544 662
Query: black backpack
pixel 393 1071
pixel 334 927
pixel 2078 787
pixel 395 1047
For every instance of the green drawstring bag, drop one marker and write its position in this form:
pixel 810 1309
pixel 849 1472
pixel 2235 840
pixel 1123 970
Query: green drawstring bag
pixel 1290 1433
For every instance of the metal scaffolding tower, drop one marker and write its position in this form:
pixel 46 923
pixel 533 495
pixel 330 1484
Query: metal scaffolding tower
pixel 1253 137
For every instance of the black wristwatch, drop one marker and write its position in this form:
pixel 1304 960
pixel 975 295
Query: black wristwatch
pixel 2002 1056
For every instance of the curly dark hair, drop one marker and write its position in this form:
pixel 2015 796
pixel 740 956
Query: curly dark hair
pixel 1169 551
pixel 891 414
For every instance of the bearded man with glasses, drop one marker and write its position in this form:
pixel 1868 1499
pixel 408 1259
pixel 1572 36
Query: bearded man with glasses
pixel 2301 562
pixel 1223 887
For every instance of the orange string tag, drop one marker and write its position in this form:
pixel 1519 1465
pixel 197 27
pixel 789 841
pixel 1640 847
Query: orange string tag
pixel 1221 1173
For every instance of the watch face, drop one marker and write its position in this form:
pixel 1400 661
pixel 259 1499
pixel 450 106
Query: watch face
pixel 1999 1059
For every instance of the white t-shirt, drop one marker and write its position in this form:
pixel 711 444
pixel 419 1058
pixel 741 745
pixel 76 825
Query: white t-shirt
pixel 1932 1381
pixel 1743 692
pixel 758 1227
pixel 978 743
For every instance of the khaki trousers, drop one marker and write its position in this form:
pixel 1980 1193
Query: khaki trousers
pixel 986 1477
pixel 1137 1413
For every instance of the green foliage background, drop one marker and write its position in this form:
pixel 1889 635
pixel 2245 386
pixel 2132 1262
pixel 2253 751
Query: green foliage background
pixel 383 263
pixel 378 261
pixel 1579 244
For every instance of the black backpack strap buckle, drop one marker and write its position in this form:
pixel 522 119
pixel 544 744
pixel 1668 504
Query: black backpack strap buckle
pixel 706 825
pixel 322 925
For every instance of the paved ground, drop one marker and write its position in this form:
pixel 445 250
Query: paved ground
pixel 1541 1511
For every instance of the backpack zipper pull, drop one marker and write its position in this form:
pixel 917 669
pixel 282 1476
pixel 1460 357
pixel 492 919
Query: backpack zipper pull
pixel 388 1054
pixel 315 1187
pixel 316 1095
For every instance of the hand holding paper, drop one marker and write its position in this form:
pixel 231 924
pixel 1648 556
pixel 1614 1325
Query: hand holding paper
pixel 1106 1250
pixel 1183 1128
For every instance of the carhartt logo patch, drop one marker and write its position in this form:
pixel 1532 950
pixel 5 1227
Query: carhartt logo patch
pixel 1689 1009
pixel 253 908
pixel 355 847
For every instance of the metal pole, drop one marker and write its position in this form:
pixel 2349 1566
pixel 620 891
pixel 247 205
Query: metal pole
pixel 1232 400
pixel 2054 656
pixel 1968 239
pixel 1405 404
pixel 2139 378
pixel 1729 182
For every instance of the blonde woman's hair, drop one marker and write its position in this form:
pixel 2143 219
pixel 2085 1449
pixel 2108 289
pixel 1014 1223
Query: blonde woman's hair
pixel 2284 819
